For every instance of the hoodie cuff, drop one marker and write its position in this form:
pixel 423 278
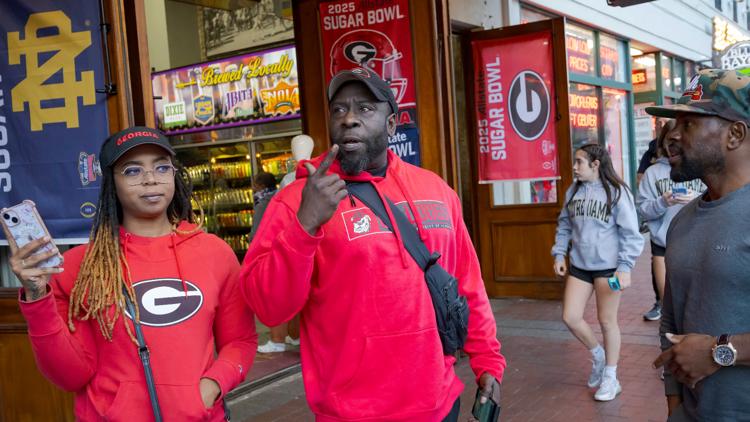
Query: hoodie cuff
pixel 226 374
pixel 662 203
pixel 624 268
pixel 559 257
pixel 298 240
pixel 41 315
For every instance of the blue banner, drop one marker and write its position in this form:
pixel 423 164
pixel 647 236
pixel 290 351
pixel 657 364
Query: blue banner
pixel 52 121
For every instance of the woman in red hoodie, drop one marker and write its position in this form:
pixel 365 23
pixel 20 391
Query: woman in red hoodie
pixel 144 250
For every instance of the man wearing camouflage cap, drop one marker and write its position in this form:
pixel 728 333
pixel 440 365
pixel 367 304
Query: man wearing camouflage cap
pixel 705 327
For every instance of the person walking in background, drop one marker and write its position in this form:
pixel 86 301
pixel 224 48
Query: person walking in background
pixel 371 349
pixel 146 260
pixel 705 326
pixel 647 159
pixel 264 188
pixel 658 202
pixel 599 226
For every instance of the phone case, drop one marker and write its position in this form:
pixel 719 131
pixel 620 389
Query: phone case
pixel 679 191
pixel 614 283
pixel 22 224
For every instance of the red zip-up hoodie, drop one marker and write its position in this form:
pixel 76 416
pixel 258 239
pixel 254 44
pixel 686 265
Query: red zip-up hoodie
pixel 370 346
pixel 187 290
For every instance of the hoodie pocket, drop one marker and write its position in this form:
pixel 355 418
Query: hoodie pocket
pixel 131 403
pixel 177 403
pixel 397 374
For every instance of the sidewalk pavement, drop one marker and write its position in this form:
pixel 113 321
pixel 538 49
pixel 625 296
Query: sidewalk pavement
pixel 547 367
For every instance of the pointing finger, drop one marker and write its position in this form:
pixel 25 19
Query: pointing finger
pixel 328 160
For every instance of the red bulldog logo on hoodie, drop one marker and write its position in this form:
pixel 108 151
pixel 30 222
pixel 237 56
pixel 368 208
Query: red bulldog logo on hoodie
pixel 162 302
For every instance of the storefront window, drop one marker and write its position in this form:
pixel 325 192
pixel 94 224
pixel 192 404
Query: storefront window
pixel 580 48
pixel 584 114
pixel 530 15
pixel 666 72
pixel 644 73
pixel 616 129
pixel 611 58
pixel 679 70
pixel 524 192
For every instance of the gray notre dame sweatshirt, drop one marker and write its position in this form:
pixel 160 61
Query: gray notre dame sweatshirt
pixel 708 292
pixel 600 240
pixel 651 204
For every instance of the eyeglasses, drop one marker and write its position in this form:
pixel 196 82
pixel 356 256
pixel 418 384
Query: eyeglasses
pixel 137 174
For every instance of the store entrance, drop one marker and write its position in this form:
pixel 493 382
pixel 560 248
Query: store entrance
pixel 514 221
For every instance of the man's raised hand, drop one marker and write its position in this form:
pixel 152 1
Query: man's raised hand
pixel 321 194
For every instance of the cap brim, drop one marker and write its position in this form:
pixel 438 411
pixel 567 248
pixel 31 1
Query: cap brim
pixel 339 80
pixel 671 111
pixel 137 144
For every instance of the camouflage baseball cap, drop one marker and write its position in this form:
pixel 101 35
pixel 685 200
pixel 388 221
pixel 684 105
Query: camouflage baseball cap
pixel 713 92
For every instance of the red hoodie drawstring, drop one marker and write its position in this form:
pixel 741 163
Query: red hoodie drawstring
pixel 177 260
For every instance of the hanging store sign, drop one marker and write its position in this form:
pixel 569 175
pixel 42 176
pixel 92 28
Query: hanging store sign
pixel 237 91
pixel 736 56
pixel 52 121
pixel 376 35
pixel 515 108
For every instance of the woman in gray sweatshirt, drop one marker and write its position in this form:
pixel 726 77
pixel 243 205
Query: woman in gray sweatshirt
pixel 658 204
pixel 599 226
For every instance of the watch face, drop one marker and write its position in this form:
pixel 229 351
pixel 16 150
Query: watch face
pixel 723 355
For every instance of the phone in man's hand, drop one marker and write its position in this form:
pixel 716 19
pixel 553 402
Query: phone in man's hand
pixel 488 411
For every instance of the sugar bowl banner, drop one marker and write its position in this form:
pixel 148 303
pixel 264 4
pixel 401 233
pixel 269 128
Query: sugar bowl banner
pixel 237 91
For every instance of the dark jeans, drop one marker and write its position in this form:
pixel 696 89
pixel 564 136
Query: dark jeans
pixel 453 415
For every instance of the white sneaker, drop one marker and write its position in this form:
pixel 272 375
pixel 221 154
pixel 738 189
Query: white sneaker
pixel 597 371
pixel 271 347
pixel 291 341
pixel 609 390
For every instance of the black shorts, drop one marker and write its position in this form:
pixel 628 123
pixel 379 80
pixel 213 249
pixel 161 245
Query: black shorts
pixel 589 276
pixel 657 250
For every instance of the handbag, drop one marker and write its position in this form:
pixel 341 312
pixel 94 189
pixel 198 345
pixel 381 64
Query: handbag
pixel 451 309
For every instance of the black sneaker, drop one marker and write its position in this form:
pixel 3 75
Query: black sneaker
pixel 654 314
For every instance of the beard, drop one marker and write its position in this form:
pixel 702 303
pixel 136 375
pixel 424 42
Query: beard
pixel 708 160
pixel 355 162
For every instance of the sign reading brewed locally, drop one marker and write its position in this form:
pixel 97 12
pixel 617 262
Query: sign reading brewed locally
pixel 736 56
pixel 515 108
pixel 237 91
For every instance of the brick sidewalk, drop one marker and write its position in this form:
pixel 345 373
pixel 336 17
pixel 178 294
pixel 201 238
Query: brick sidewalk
pixel 547 372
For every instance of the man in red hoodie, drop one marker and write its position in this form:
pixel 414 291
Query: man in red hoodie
pixel 370 346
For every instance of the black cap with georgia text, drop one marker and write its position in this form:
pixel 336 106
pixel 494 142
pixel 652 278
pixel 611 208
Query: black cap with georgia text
pixel 379 88
pixel 121 142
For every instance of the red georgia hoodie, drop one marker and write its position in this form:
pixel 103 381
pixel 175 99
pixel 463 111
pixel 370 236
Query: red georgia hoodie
pixel 187 290
pixel 370 346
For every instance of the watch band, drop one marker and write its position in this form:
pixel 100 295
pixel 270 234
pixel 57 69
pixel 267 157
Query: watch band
pixel 722 339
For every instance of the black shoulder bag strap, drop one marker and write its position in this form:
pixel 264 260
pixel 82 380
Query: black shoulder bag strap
pixel 413 244
pixel 145 357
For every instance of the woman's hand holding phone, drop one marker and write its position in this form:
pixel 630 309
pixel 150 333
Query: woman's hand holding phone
pixel 25 265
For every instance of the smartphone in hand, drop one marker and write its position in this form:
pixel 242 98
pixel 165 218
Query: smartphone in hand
pixel 487 412
pixel 23 224
pixel 679 190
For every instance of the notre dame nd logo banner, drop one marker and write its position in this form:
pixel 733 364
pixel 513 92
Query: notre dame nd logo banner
pixel 66 46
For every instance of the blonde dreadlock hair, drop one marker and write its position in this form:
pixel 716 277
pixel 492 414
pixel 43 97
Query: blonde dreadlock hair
pixel 98 290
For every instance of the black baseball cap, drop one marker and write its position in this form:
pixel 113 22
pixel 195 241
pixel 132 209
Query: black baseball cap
pixel 379 88
pixel 121 142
